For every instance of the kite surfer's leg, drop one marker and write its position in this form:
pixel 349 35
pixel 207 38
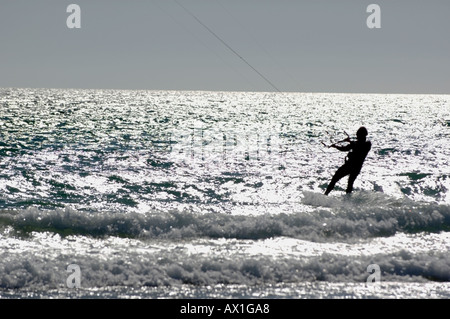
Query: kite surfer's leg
pixel 340 173
pixel 351 180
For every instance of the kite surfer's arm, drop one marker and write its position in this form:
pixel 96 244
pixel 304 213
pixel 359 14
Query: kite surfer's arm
pixel 345 148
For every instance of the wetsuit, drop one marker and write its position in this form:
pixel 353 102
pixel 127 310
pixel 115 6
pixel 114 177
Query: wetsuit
pixel 353 163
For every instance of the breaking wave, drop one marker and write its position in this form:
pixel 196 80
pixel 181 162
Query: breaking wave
pixel 164 268
pixel 330 218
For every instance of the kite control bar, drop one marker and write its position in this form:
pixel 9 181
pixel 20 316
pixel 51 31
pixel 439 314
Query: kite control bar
pixel 347 139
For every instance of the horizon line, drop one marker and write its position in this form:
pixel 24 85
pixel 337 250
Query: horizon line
pixel 221 90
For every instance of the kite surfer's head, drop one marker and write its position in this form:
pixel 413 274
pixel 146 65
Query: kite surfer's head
pixel 361 133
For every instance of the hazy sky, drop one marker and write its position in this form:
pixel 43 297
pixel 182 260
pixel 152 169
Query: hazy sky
pixel 304 46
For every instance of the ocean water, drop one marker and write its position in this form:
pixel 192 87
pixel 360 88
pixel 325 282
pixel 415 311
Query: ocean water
pixel 171 194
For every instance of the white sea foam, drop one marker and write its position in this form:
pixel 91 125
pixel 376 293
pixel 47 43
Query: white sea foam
pixel 332 219
pixel 41 263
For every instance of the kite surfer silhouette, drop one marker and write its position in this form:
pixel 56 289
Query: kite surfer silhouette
pixel 354 160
